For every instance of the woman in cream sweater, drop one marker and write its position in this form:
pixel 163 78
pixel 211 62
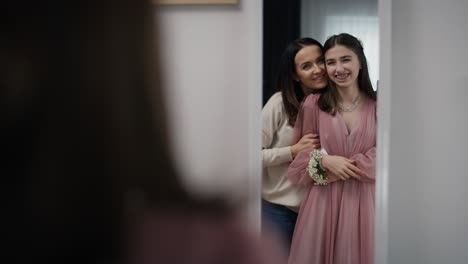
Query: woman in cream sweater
pixel 301 72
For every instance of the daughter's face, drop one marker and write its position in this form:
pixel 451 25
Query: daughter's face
pixel 342 65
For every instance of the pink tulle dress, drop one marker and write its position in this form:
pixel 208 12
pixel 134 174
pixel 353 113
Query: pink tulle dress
pixel 336 222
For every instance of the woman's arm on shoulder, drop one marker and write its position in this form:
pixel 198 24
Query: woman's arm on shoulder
pixel 307 118
pixel 306 123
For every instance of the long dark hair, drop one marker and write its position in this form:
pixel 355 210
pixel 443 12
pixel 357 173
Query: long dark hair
pixel 328 101
pixel 83 127
pixel 290 89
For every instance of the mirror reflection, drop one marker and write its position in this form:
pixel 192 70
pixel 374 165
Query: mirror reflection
pixel 319 128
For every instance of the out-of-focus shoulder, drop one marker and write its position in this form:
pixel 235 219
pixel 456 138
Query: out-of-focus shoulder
pixel 174 237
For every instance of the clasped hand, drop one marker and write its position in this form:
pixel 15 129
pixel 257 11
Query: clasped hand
pixel 340 168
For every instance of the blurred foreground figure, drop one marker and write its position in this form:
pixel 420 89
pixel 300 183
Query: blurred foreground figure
pixel 87 176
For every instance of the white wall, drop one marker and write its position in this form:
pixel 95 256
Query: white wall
pixel 322 18
pixel 213 64
pixel 424 85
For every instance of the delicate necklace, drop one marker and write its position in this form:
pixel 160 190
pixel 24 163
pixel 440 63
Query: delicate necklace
pixel 351 108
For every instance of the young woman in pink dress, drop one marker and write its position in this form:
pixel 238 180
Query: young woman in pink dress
pixel 336 220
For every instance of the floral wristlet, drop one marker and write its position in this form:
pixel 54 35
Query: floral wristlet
pixel 315 169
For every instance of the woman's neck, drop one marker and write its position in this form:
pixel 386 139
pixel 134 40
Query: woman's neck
pixel 348 94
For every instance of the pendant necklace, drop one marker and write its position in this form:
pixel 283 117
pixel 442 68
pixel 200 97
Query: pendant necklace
pixel 351 108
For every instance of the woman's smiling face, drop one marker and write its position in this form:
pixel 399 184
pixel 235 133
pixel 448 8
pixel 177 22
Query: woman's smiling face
pixel 342 65
pixel 310 68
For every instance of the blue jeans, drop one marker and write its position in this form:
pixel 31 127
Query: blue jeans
pixel 281 218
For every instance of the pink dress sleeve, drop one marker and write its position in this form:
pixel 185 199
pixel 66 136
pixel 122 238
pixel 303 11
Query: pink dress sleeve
pixel 366 162
pixel 307 122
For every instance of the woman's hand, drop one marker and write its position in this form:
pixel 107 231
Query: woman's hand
pixel 342 167
pixel 332 178
pixel 308 141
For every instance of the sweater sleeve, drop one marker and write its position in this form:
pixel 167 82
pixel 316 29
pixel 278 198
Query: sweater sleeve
pixel 306 122
pixel 272 118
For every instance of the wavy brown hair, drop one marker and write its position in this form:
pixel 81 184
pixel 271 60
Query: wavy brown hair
pixel 328 101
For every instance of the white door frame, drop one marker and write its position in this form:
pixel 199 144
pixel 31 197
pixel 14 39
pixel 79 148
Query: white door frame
pixel 383 130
